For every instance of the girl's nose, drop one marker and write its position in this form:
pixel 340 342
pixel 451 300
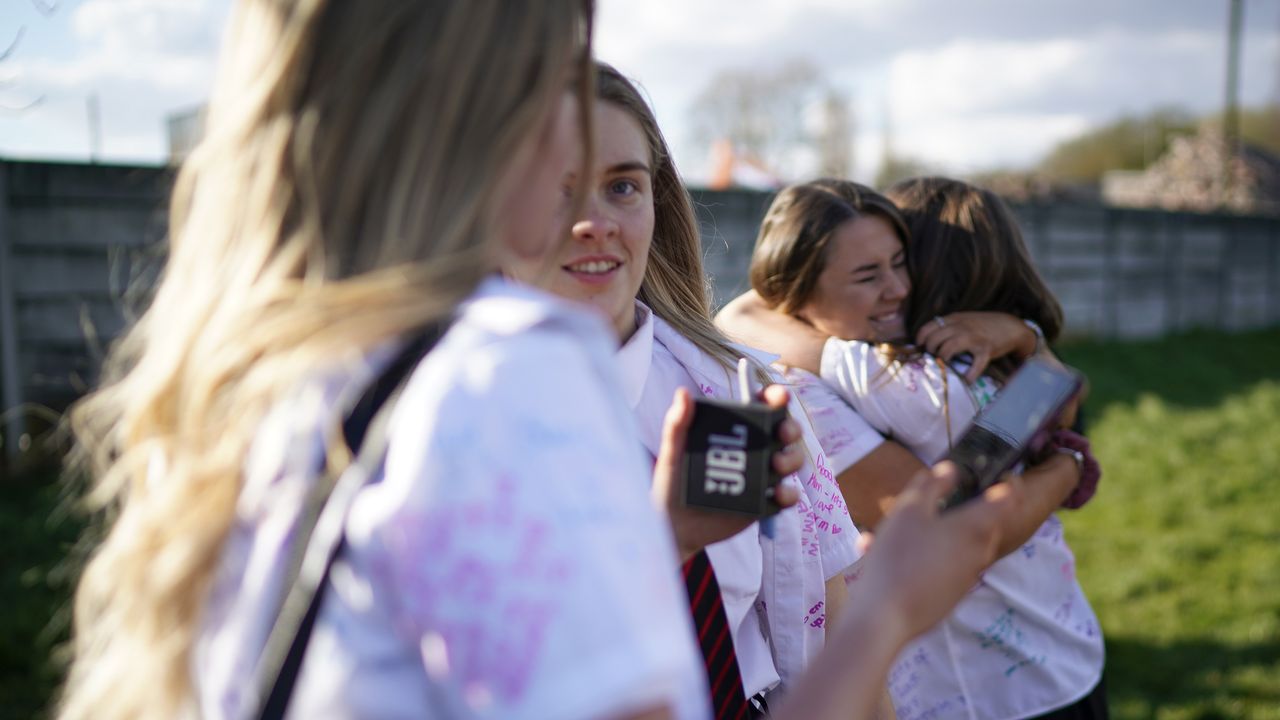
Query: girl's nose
pixel 595 225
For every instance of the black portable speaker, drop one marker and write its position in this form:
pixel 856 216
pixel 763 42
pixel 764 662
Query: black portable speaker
pixel 728 457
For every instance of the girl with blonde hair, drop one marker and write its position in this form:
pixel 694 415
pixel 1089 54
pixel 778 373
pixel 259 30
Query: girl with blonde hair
pixel 367 168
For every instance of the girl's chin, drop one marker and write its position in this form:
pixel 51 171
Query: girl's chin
pixel 893 335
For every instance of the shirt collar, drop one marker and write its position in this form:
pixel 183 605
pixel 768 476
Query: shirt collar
pixel 635 357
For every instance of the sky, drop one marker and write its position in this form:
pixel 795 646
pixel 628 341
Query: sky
pixel 961 85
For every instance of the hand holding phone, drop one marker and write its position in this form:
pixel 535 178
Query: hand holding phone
pixel 1013 427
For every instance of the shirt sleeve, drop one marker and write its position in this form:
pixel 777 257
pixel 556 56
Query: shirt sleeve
pixel 844 436
pixel 909 402
pixel 823 511
pixel 527 560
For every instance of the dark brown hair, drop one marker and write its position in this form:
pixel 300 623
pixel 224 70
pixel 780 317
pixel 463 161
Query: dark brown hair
pixel 795 237
pixel 967 254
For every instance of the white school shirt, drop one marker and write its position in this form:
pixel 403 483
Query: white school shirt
pixel 773 590
pixel 508 563
pixel 1024 641
pixel 844 436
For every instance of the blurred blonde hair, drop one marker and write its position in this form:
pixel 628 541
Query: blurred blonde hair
pixel 344 195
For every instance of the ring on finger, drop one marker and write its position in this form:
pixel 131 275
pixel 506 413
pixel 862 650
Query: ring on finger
pixel 940 321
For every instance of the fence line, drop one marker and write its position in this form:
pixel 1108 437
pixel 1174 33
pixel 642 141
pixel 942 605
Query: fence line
pixel 1118 272
pixel 70 234
pixel 73 235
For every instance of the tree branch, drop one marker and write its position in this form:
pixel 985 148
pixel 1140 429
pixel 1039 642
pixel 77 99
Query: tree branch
pixel 17 38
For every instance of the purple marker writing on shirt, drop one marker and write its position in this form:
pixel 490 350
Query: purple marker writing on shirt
pixel 744 395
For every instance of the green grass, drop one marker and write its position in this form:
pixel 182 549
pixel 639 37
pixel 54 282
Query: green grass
pixel 1180 550
pixel 35 582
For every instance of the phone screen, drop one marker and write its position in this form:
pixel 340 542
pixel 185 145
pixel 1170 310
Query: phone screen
pixel 1011 426
pixel 1025 403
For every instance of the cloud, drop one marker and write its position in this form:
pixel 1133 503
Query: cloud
pixel 971 104
pixel 168 43
pixel 151 27
pixel 967 77
pixel 143 59
pixel 967 84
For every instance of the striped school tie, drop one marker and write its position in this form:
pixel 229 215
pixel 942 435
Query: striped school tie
pixel 727 696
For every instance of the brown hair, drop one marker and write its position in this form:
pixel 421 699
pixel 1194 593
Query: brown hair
pixel 795 237
pixel 674 286
pixel 967 254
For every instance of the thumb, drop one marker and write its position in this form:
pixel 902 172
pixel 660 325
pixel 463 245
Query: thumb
pixel 934 484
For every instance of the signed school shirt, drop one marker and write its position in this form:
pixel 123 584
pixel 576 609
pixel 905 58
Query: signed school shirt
pixel 507 563
pixel 1024 641
pixel 844 436
pixel 773 589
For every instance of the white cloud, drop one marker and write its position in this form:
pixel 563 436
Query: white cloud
pixel 155 27
pixel 169 43
pixel 967 143
pixel 967 77
pixel 143 59
pixel 970 84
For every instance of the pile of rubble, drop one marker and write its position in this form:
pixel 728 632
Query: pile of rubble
pixel 1200 173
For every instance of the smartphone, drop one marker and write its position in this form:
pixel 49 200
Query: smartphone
pixel 728 457
pixel 1012 427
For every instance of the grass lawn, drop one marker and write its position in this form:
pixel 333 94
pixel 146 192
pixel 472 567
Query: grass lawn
pixel 35 582
pixel 1180 550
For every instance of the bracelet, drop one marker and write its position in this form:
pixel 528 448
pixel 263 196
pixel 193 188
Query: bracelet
pixel 1035 328
pixel 1076 454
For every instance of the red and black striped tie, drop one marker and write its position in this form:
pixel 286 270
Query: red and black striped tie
pixel 727 696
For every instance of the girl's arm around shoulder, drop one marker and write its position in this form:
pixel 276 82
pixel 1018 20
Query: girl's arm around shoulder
pixel 750 321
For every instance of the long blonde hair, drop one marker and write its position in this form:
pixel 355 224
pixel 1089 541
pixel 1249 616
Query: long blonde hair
pixel 674 287
pixel 343 195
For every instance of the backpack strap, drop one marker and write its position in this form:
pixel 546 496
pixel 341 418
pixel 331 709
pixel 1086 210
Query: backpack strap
pixel 320 527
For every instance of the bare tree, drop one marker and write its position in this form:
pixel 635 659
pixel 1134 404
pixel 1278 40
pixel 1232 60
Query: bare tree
pixel 834 140
pixel 766 116
pixel 46 8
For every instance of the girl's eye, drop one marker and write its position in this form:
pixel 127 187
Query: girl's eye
pixel 864 280
pixel 623 187
pixel 901 262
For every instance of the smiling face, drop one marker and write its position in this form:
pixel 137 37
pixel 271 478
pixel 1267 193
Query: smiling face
pixel 862 291
pixel 604 262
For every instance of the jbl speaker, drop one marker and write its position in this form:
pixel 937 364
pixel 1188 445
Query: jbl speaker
pixel 728 457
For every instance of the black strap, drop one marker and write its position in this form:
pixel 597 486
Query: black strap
pixel 321 524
